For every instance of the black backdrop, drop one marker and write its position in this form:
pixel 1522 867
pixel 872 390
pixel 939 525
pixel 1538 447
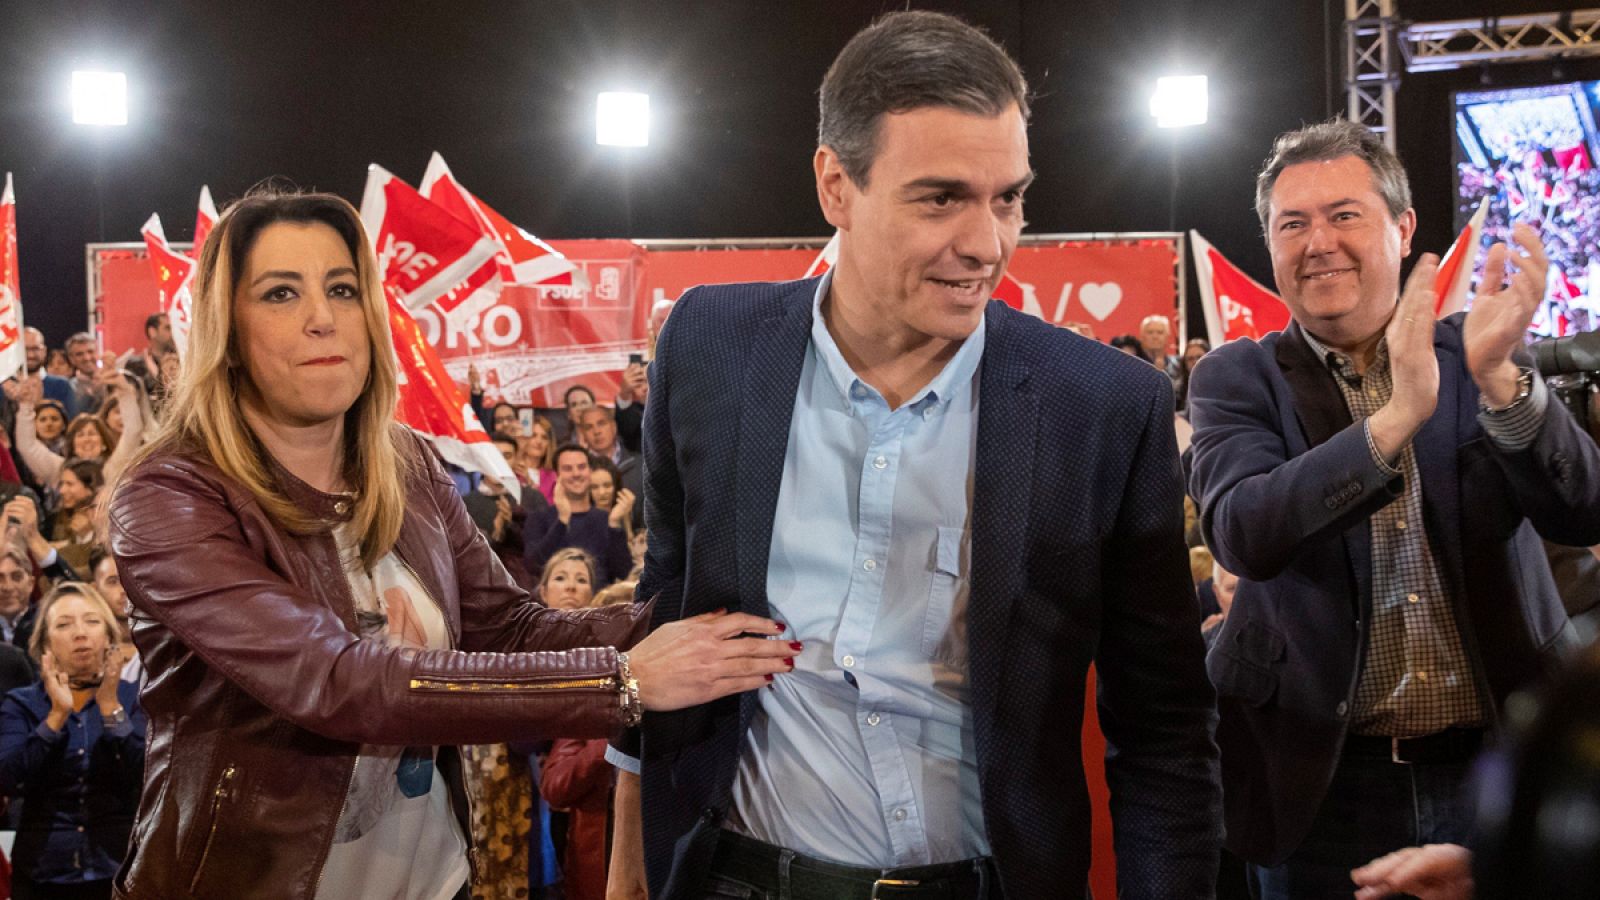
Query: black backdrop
pixel 230 93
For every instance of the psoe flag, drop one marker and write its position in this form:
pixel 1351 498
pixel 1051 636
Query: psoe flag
pixel 521 257
pixel 432 404
pixel 205 219
pixel 1235 305
pixel 174 273
pixel 12 356
pixel 1454 278
pixel 425 253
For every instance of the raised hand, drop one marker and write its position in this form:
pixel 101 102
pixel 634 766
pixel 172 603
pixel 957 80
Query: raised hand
pixel 110 673
pixel 694 661
pixel 1411 359
pixel 58 690
pixel 1497 324
pixel 563 505
pixel 621 508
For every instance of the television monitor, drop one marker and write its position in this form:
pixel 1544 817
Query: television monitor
pixel 1535 153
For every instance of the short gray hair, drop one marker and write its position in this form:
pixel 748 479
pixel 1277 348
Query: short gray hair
pixel 1328 141
pixel 906 61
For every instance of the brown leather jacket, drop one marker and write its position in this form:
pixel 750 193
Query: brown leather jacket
pixel 260 694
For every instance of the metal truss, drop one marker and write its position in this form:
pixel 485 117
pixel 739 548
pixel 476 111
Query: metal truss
pixel 1370 65
pixel 1377 42
pixel 1435 46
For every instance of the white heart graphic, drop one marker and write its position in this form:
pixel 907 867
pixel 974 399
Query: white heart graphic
pixel 1100 299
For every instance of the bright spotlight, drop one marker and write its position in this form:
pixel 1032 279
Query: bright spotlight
pixel 1179 100
pixel 622 119
pixel 99 98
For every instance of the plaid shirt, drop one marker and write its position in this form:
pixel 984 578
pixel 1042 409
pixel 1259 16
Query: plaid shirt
pixel 1417 679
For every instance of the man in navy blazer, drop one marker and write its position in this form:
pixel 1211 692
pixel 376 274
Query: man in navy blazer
pixel 956 508
pixel 1379 483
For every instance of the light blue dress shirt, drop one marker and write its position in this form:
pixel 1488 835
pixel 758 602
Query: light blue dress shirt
pixel 864 755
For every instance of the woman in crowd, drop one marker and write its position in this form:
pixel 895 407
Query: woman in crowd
pixel 71 524
pixel 307 749
pixel 56 363
pixel 50 425
pixel 87 437
pixel 538 458
pixel 72 747
pixel 604 480
pixel 575 778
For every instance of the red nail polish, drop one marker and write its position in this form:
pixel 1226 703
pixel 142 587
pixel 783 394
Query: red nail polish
pixel 796 646
pixel 782 627
pixel 790 662
pixel 768 676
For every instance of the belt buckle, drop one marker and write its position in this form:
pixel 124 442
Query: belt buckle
pixel 891 882
pixel 1394 752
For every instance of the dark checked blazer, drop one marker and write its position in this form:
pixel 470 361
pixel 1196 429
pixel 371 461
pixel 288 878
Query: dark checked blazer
pixel 1286 484
pixel 1077 557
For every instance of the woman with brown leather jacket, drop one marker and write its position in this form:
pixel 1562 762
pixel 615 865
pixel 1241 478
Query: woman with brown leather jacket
pixel 320 620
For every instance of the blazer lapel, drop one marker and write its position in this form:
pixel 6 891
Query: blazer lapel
pixel 771 377
pixel 1435 447
pixel 1322 413
pixel 1007 419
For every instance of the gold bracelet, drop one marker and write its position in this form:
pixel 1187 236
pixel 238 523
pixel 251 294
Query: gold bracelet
pixel 628 687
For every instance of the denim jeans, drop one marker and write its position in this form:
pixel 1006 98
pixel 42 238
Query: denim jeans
pixel 1374 806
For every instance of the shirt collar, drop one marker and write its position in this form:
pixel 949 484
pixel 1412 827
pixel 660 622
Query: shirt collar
pixel 1338 362
pixel 957 372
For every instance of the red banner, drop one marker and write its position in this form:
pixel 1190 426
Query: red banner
pixel 536 341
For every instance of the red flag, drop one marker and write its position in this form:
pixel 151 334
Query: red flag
pixel 205 219
pixel 1454 278
pixel 431 403
pixel 12 356
pixel 425 252
pixel 174 280
pixel 521 257
pixel 1235 304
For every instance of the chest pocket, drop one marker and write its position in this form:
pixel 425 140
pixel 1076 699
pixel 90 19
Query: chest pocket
pixel 944 630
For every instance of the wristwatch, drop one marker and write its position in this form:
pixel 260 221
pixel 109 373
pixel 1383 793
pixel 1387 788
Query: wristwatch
pixel 118 716
pixel 1524 391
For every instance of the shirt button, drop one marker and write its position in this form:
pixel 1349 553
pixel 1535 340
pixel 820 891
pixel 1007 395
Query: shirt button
pixel 870 564
pixel 1343 708
pixel 1422 676
pixel 872 719
pixel 899 816
pixel 859 392
pixel 1401 524
pixel 1373 393
pixel 848 661
pixel 881 462
pixel 341 507
pixel 1412 598
pixel 927 413
pixel 80 827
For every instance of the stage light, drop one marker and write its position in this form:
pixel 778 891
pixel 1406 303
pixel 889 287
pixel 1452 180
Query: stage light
pixel 99 98
pixel 1179 100
pixel 622 119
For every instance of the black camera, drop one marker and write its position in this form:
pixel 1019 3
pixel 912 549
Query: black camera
pixel 1571 369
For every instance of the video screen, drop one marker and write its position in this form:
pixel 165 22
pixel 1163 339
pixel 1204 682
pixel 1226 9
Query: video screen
pixel 1533 152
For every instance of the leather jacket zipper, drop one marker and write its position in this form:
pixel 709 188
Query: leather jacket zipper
pixel 475 686
pixel 224 786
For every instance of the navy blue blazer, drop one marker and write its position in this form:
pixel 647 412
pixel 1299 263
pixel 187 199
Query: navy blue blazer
pixel 1286 484
pixel 1077 557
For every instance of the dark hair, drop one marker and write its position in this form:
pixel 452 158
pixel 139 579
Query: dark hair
pixel 905 61
pixel 566 397
pixel 1130 342
pixel 510 406
pixel 153 320
pixel 1328 141
pixel 90 472
pixel 500 437
pixel 570 448
pixel 601 464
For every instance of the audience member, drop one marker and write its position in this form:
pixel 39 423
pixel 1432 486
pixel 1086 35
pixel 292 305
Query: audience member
pixel 576 399
pixel 57 364
pixel 71 525
pixel 72 746
pixel 573 521
pixel 1155 340
pixel 631 397
pixel 599 429
pixel 1192 352
pixel 158 345
pixel 86 391
pixel 1130 345
pixel 605 490
pixel 537 460
pixel 103 569
pixel 16 589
